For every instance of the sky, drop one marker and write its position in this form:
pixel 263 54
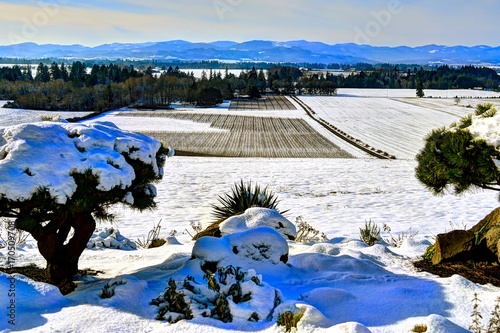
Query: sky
pixel 375 22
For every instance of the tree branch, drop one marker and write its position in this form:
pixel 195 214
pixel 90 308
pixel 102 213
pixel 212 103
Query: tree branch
pixel 487 187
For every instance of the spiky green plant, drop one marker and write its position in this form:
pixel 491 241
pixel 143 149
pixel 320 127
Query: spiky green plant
pixel 242 197
pixel 370 233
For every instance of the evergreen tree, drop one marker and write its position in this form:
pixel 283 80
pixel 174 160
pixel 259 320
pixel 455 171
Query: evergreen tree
pixel 42 73
pixel 420 88
pixel 55 71
pixel 78 73
pixel 62 221
pixel 454 157
pixel 64 73
pixel 209 96
pixel 27 75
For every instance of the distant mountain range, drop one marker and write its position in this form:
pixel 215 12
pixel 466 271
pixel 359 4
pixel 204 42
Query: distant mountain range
pixel 298 51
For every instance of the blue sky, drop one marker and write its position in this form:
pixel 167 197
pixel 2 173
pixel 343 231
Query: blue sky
pixel 376 22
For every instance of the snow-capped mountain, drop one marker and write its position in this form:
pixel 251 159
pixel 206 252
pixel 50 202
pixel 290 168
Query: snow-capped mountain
pixel 298 51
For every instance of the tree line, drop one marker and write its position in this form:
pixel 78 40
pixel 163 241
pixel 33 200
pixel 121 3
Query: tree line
pixel 102 87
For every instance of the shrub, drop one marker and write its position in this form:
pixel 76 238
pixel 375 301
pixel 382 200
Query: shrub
pixel 50 118
pixel 289 320
pixel 187 299
pixel 108 290
pixel 242 197
pixel 172 302
pixel 494 325
pixel 153 240
pixel 306 233
pixel 476 316
pixel 397 240
pixel 370 233
pixel 419 328
pixel 485 110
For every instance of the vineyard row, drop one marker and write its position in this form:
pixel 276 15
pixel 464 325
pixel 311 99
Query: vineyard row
pixel 250 144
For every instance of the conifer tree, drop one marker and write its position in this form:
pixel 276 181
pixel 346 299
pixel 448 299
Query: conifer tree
pixel 420 88
pixel 456 157
pixel 84 170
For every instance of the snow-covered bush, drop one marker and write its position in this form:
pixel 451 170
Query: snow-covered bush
pixel 229 294
pixel 263 244
pixel 110 238
pixel 258 217
pixel 108 290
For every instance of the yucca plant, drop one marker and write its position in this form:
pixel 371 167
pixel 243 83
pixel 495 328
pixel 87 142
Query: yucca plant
pixel 242 197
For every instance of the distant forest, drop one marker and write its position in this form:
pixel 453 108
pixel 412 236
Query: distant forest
pixel 103 86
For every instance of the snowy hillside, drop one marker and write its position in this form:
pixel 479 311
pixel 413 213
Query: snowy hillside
pixel 341 284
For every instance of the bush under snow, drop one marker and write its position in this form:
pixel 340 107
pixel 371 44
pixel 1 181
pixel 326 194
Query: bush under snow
pixel 263 244
pixel 259 217
pixel 110 238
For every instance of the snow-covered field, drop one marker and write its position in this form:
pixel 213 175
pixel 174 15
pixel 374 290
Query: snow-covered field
pixel 17 116
pixel 398 124
pixel 429 93
pixel 342 284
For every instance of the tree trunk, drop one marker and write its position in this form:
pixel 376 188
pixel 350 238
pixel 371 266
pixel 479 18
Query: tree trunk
pixel 62 259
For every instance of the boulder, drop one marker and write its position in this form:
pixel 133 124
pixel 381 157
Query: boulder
pixel 483 239
pixel 491 229
pixel 452 244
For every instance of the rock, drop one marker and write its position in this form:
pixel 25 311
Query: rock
pixel 451 244
pixel 483 239
pixel 490 226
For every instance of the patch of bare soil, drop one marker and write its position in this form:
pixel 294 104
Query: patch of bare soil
pixel 478 272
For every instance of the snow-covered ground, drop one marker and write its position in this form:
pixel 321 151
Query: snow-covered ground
pixel 395 126
pixel 429 93
pixel 342 284
pixel 18 116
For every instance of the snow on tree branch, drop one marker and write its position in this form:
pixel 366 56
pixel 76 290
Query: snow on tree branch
pixel 47 154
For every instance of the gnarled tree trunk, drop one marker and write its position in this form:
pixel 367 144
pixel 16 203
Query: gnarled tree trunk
pixel 62 257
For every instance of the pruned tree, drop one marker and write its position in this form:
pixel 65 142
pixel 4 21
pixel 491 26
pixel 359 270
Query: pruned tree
pixel 57 179
pixel 466 155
